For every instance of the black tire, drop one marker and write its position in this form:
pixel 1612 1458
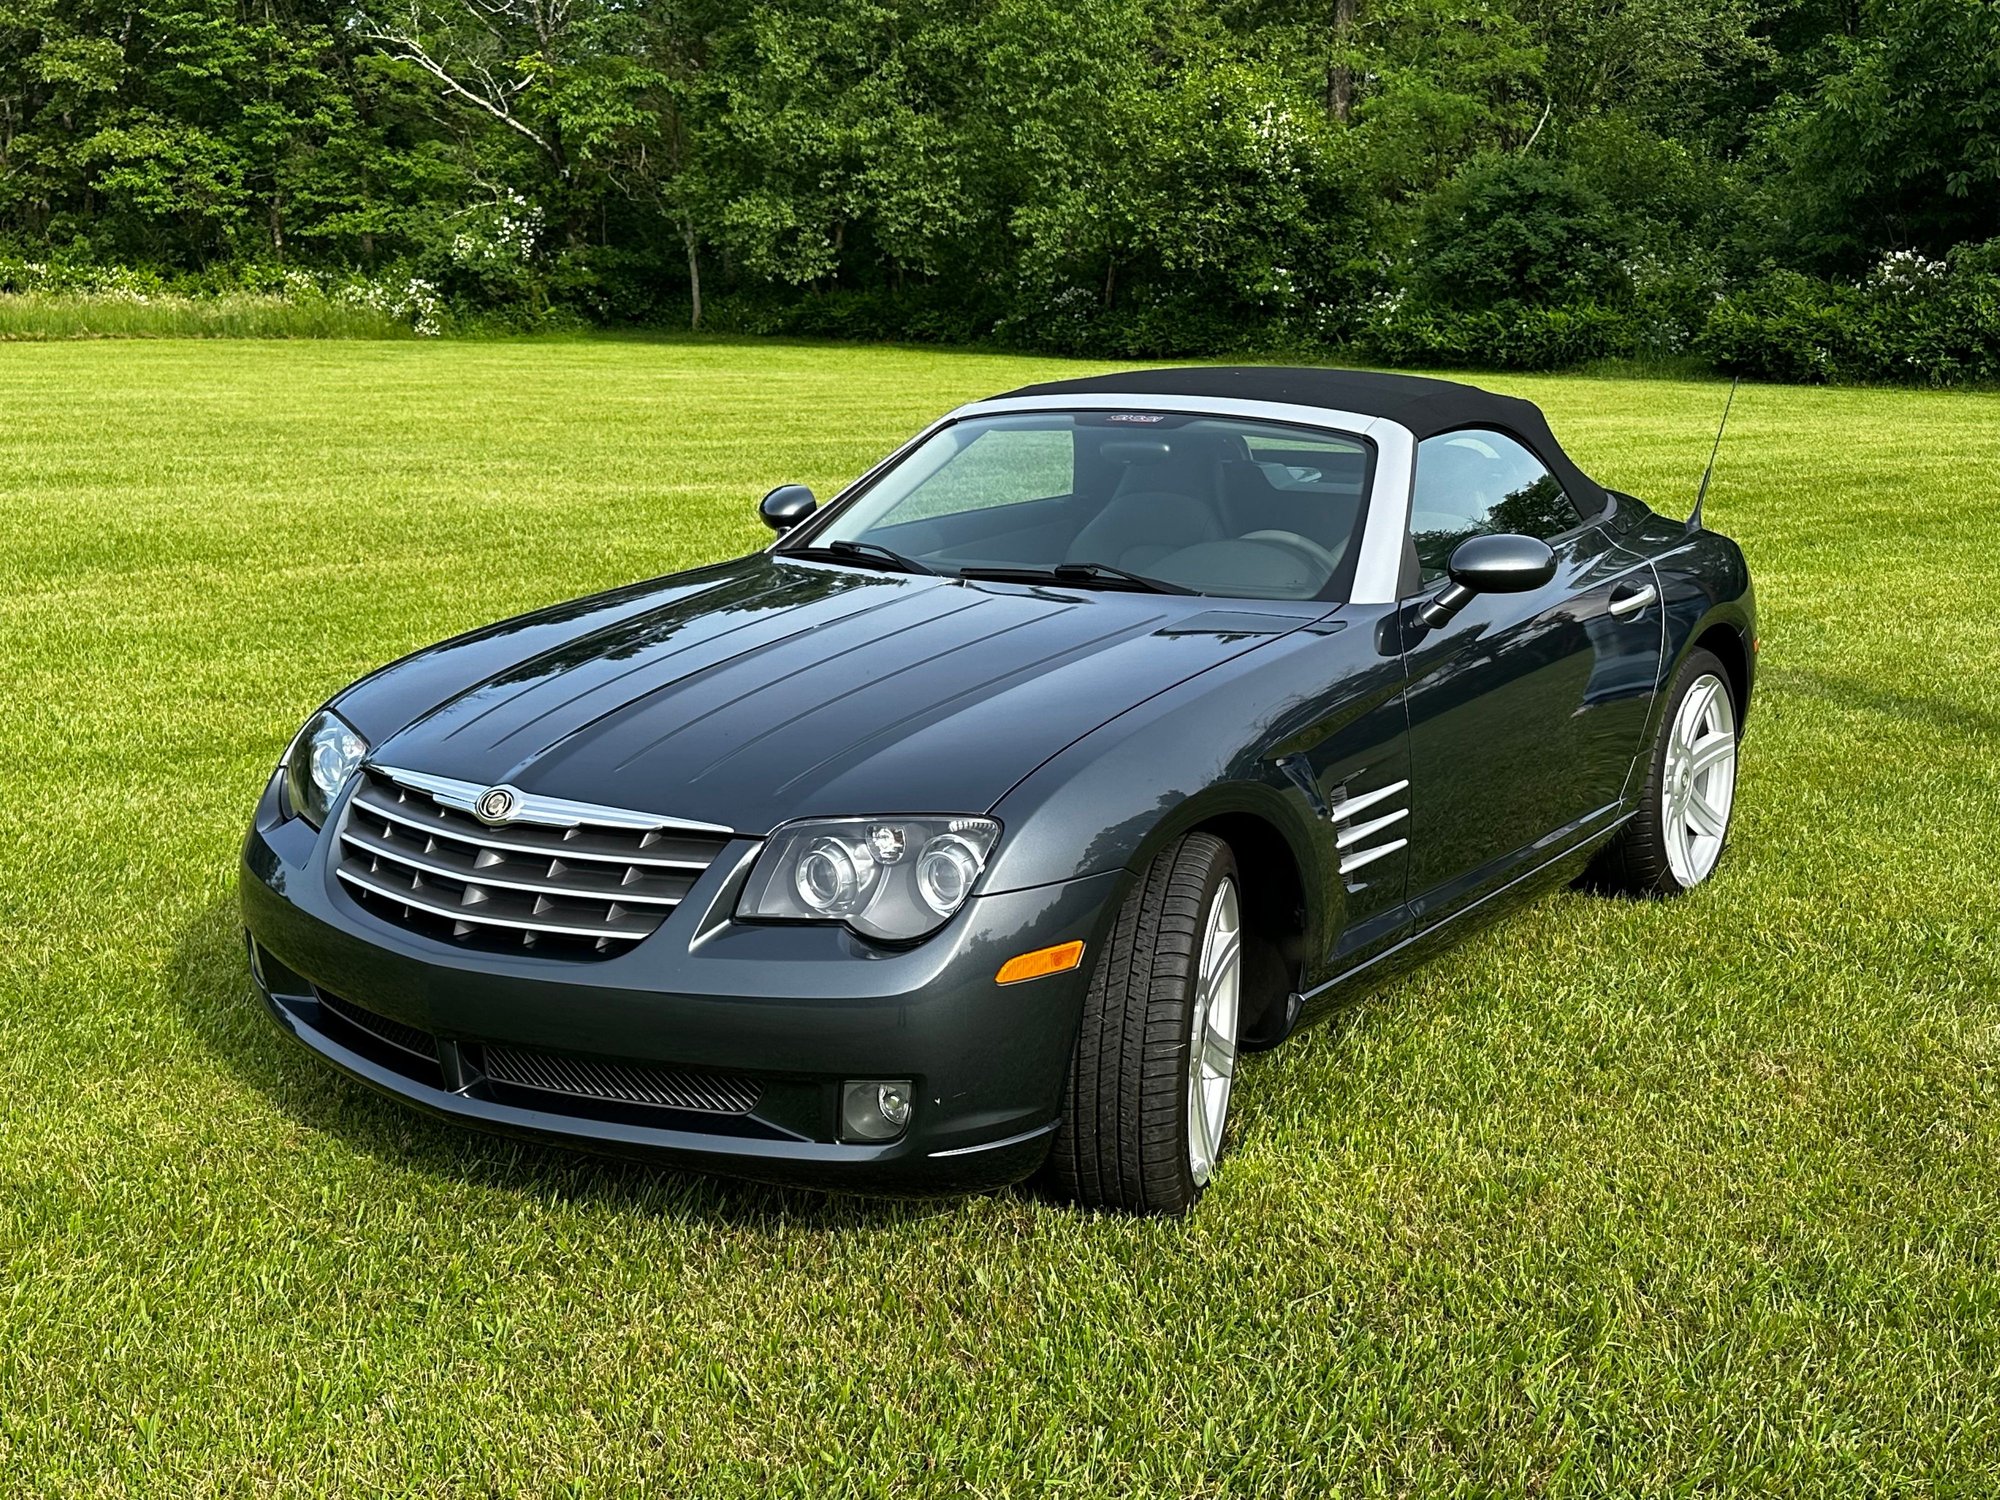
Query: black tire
pixel 1636 862
pixel 1124 1139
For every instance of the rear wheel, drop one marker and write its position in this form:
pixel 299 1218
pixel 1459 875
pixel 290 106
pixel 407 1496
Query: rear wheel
pixel 1148 1094
pixel 1675 841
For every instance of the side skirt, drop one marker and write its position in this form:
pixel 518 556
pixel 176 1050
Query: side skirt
pixel 1323 999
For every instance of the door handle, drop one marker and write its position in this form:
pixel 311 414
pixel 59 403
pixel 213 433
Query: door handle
pixel 1632 603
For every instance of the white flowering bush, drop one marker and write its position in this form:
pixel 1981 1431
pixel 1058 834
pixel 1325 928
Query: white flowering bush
pixel 1909 318
pixel 502 235
pixel 25 276
pixel 408 299
pixel 256 299
pixel 1906 273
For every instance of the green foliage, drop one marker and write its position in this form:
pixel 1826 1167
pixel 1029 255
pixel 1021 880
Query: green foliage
pixel 1910 319
pixel 1520 182
pixel 1516 229
pixel 1518 335
pixel 1897 146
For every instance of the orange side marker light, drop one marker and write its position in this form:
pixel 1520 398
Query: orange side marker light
pixel 1041 963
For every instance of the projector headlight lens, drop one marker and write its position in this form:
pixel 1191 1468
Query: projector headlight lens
pixel 322 759
pixel 861 871
pixel 833 878
pixel 945 872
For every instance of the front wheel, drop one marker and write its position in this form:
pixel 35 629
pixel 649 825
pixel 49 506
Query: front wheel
pixel 1675 840
pixel 1148 1093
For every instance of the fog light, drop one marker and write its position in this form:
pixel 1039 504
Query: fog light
pixel 874 1109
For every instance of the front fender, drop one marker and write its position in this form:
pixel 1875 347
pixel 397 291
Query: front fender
pixel 1205 751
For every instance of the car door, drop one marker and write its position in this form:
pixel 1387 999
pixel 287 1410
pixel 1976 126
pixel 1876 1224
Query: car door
pixel 1347 748
pixel 1526 710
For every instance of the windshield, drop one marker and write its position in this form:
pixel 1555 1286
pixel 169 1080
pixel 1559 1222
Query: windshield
pixel 1198 504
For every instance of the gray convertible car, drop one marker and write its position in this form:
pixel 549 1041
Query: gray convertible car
pixel 1107 730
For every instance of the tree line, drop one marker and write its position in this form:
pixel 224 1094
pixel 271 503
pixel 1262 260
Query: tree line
pixel 1801 188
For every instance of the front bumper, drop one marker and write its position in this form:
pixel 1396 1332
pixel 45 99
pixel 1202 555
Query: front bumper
pixel 795 1010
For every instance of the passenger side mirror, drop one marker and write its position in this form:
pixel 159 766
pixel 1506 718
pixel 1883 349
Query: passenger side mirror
pixel 786 506
pixel 1502 564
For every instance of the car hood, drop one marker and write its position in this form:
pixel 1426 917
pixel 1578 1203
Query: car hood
pixel 764 690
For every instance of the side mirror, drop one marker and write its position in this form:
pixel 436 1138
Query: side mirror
pixel 1490 565
pixel 786 506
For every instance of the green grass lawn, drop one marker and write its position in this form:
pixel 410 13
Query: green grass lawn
pixel 1646 1199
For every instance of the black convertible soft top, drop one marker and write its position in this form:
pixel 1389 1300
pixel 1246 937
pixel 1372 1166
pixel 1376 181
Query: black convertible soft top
pixel 1425 406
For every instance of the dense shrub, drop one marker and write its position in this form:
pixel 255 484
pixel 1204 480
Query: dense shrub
pixel 1407 331
pixel 1516 229
pixel 1910 319
pixel 921 313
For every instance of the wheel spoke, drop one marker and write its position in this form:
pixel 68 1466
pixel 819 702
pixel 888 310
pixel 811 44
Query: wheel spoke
pixel 1702 815
pixel 1211 1054
pixel 1203 1147
pixel 1711 750
pixel 1219 958
pixel 1695 711
pixel 1218 1053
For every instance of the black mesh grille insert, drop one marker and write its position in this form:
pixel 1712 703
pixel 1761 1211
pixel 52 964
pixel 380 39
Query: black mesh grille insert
pixel 404 1038
pixel 624 1083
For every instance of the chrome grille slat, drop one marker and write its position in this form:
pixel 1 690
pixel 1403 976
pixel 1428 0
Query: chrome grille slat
pixel 415 811
pixel 627 1083
pixel 495 875
pixel 375 886
pixel 588 891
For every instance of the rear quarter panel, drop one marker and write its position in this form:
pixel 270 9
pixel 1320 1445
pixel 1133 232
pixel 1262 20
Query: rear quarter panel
pixel 1704 584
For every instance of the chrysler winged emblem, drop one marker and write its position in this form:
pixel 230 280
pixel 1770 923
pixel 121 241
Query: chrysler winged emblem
pixel 495 804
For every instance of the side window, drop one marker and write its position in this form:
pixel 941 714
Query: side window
pixel 1476 483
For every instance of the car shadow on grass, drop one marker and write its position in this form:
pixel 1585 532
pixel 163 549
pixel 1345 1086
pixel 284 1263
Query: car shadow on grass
pixel 209 980
pixel 1956 719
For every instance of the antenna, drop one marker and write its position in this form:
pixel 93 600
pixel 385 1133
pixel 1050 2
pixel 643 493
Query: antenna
pixel 1694 517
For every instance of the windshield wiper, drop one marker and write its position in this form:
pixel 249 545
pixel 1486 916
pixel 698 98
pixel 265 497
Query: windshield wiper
pixel 1076 572
pixel 860 552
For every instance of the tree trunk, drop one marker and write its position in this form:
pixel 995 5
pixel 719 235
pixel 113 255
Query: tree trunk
pixel 694 270
pixel 1340 77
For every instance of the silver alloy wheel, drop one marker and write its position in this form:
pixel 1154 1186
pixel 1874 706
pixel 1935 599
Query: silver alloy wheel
pixel 1699 781
pixel 1212 1042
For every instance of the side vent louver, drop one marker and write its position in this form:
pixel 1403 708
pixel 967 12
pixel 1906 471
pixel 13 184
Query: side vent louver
pixel 1359 839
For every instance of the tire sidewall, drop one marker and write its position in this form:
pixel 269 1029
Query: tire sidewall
pixel 1122 1142
pixel 1220 869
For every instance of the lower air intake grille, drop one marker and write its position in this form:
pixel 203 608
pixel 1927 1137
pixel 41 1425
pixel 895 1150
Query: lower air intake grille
pixel 395 1033
pixel 624 1083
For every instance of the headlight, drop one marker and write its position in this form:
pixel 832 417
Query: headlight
pixel 894 878
pixel 322 759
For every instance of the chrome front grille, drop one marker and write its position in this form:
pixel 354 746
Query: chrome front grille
pixel 562 877
pixel 625 1083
